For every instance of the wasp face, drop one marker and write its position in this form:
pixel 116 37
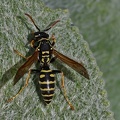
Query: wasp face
pixel 40 35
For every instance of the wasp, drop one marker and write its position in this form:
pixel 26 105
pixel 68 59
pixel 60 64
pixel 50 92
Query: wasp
pixel 44 51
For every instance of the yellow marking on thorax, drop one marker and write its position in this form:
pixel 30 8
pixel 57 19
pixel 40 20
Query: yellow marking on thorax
pixel 42 60
pixel 47 89
pixel 43 39
pixel 48 59
pixel 43 52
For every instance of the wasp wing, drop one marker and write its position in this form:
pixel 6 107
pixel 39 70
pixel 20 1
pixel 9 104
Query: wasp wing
pixel 51 25
pixel 25 67
pixel 71 63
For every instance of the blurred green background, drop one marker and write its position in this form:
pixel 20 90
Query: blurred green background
pixel 99 23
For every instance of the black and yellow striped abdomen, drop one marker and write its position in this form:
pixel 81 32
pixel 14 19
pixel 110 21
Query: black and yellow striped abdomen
pixel 47 85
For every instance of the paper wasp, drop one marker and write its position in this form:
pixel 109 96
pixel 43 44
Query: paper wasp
pixel 44 51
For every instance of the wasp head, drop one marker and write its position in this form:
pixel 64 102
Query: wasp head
pixel 39 35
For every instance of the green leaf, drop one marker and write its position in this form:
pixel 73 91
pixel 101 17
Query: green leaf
pixel 88 96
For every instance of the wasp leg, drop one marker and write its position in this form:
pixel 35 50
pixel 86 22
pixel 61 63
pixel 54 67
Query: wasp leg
pixel 32 43
pixel 20 54
pixel 26 83
pixel 63 87
pixel 64 91
pixel 53 39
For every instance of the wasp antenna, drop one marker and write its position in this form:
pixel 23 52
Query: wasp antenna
pixel 51 25
pixel 32 21
pixel 55 23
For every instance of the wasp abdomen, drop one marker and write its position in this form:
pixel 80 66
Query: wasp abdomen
pixel 47 85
